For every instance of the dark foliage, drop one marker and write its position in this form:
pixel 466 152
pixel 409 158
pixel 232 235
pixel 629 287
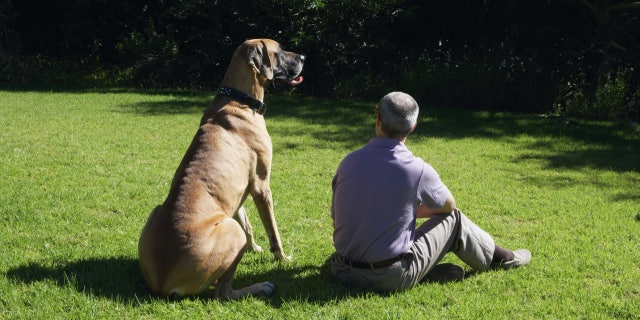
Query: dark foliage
pixel 537 56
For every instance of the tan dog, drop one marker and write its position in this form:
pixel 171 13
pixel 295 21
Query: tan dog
pixel 197 237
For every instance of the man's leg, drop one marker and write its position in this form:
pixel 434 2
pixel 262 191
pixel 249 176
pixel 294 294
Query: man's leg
pixel 444 233
pixel 474 246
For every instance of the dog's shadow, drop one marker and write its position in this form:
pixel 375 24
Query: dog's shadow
pixel 120 279
pixel 114 278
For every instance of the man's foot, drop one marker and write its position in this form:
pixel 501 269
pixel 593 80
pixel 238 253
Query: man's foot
pixel 521 257
pixel 445 272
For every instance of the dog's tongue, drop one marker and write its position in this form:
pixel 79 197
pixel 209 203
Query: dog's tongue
pixel 296 81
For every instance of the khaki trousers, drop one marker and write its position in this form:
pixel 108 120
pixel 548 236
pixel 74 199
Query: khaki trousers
pixel 437 236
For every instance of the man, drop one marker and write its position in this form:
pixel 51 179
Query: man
pixel 378 193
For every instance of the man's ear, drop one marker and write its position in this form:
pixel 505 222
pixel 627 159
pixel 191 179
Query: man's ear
pixel 259 58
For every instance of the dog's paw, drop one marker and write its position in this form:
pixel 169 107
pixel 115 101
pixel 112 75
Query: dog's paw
pixel 256 248
pixel 280 256
pixel 267 288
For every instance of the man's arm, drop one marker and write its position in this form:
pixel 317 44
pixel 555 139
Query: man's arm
pixel 449 205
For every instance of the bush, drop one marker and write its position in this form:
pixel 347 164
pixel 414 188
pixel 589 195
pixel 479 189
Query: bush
pixel 612 100
pixel 40 69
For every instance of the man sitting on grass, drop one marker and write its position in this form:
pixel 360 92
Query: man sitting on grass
pixel 378 193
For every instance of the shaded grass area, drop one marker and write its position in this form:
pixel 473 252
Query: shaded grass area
pixel 83 168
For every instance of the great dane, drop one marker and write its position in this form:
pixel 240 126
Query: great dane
pixel 196 238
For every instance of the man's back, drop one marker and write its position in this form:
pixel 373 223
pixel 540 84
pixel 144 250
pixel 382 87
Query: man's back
pixel 374 201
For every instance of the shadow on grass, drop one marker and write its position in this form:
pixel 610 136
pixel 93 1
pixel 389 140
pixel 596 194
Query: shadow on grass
pixel 567 144
pixel 308 284
pixel 349 125
pixel 115 278
pixel 188 105
pixel 119 279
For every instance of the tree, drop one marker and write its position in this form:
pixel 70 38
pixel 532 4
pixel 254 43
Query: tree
pixel 604 40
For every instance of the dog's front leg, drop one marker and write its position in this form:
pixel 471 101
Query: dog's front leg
pixel 264 203
pixel 243 220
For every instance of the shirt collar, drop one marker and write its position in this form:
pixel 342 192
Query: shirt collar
pixel 386 142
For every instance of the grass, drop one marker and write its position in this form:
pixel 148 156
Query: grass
pixel 82 169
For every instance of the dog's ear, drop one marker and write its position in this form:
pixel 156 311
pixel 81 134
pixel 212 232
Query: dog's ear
pixel 260 59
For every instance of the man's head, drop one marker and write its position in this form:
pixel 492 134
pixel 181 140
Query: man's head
pixel 397 114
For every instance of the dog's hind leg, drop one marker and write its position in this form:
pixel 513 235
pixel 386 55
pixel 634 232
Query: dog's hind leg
pixel 243 220
pixel 223 288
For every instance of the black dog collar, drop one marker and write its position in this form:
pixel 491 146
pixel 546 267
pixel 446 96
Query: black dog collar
pixel 252 102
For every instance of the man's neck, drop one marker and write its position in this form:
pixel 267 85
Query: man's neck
pixel 381 135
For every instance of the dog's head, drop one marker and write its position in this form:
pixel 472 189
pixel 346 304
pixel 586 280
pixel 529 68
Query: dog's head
pixel 281 68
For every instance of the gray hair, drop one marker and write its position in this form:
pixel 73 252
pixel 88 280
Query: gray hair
pixel 399 113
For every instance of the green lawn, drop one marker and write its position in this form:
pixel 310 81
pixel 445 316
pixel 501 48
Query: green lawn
pixel 82 169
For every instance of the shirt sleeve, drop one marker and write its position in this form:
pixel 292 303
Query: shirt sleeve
pixel 432 192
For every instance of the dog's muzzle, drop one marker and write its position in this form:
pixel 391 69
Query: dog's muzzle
pixel 289 75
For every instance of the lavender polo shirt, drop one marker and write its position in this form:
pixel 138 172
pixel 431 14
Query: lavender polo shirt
pixel 376 192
